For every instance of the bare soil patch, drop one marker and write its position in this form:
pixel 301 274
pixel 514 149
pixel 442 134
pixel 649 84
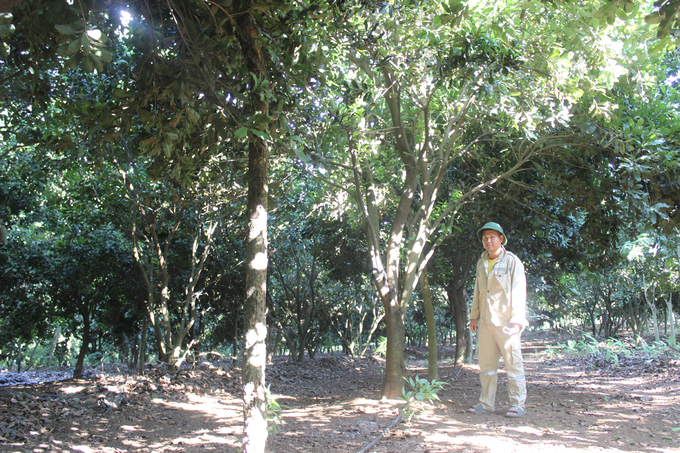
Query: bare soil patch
pixel 331 404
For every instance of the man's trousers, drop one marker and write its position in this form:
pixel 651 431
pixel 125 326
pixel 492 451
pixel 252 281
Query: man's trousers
pixel 493 344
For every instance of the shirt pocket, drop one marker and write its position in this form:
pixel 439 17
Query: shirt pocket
pixel 500 280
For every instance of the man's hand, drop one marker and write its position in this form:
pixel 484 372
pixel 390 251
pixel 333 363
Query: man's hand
pixel 473 325
pixel 512 329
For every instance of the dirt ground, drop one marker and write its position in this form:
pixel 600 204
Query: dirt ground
pixel 331 404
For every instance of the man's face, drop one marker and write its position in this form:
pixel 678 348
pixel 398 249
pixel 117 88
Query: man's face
pixel 492 241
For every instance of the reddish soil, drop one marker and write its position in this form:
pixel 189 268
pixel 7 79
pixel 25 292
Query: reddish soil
pixel 331 404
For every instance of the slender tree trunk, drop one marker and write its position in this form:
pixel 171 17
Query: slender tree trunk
pixel 671 319
pixel 468 339
pixel 254 310
pixel 142 347
pixel 78 371
pixel 255 328
pixel 19 357
pixel 274 345
pixel 374 326
pixel 651 303
pixel 235 337
pixel 30 358
pixel 53 346
pixel 432 365
pixel 463 335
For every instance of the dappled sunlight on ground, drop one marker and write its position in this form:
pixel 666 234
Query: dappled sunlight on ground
pixel 570 410
pixel 332 405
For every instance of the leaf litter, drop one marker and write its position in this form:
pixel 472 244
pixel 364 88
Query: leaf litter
pixel 331 404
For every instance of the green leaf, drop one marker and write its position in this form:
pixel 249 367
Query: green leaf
pixel 146 142
pixel 606 10
pixel 654 18
pixel 264 135
pixel 6 18
pixel 97 35
pixel 191 114
pixel 74 46
pixel 119 93
pixel 96 63
pixel 65 30
pixel 260 6
pixel 241 132
pixel 87 64
pixel 104 55
pixel 622 14
pixel 6 29
pixel 72 62
pixel 660 45
pixel 262 118
pixel 665 26
pixel 304 158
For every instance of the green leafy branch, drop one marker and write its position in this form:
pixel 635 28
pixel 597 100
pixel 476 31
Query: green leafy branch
pixel 422 393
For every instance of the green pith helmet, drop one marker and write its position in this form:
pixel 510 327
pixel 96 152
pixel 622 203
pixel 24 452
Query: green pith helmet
pixel 492 226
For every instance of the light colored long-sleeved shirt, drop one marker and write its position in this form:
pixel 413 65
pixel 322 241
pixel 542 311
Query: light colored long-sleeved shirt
pixel 500 295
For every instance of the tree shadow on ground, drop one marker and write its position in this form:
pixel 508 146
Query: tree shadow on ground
pixel 331 404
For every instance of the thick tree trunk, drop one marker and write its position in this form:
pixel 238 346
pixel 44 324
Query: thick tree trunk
pixel 432 365
pixel 254 310
pixel 395 366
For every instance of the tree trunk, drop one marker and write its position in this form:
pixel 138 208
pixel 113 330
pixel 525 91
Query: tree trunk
pixel 53 346
pixel 78 371
pixel 255 328
pixel 395 366
pixel 651 303
pixel 468 339
pixel 19 357
pixel 274 344
pixel 142 347
pixel 254 310
pixel 374 326
pixel 30 358
pixel 432 366
pixel 671 319
pixel 458 308
pixel 460 320
pixel 235 338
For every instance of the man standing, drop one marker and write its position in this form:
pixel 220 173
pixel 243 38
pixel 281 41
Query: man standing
pixel 498 316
